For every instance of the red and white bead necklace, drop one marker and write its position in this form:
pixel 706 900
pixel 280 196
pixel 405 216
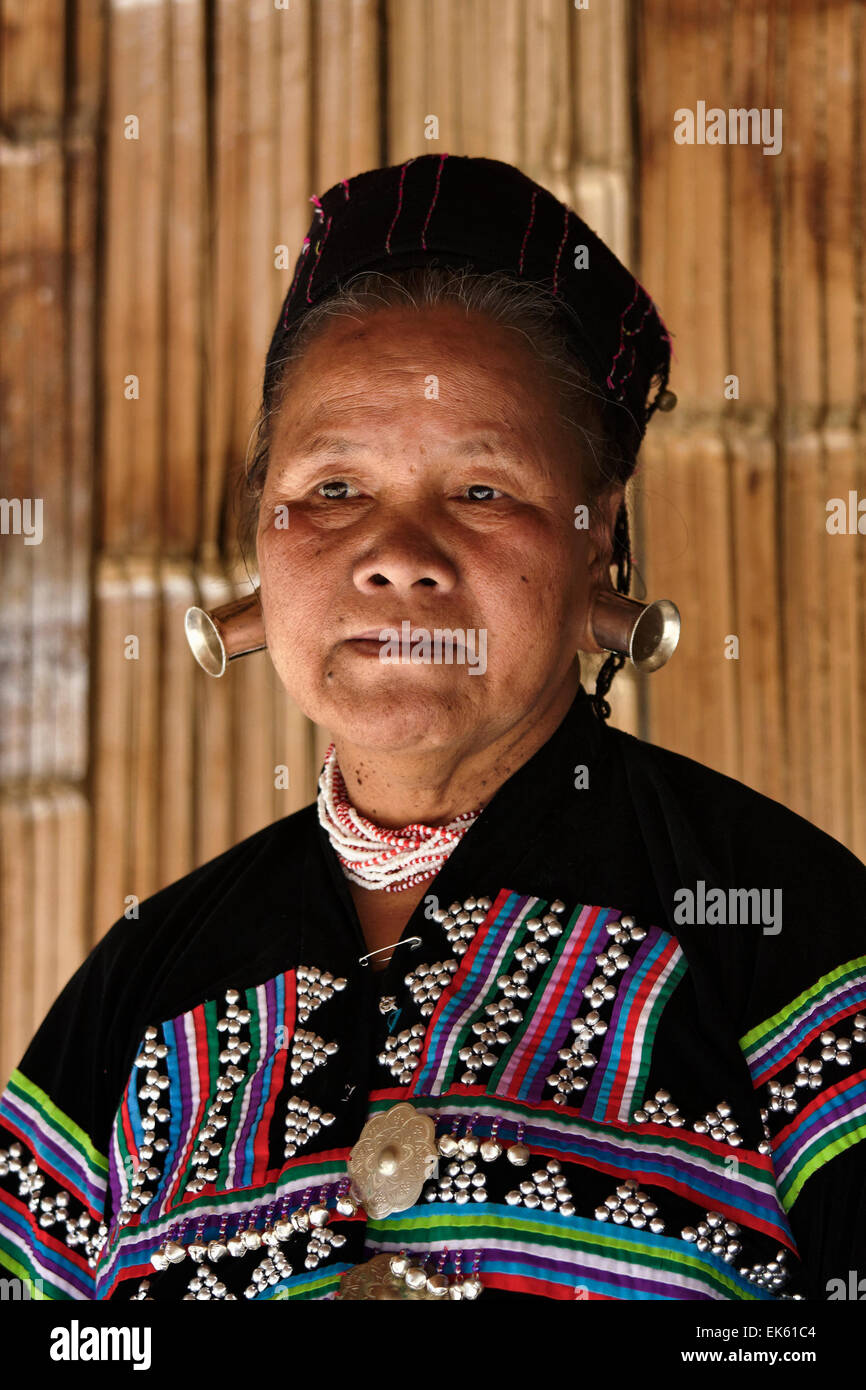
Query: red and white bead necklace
pixel 373 856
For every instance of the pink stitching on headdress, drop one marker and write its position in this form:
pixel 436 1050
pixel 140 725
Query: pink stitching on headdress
pixel 665 334
pixel 299 267
pixel 630 370
pixel 345 183
pixel 399 203
pixel 442 159
pixel 609 382
pixel 319 245
pixel 318 206
pixel 528 230
pixel 559 252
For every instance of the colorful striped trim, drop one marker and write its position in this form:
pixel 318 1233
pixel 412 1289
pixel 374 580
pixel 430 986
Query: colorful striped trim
pixel 59 1145
pixel 693 1166
pixel 554 1256
pixel 834 1120
pixel 31 1252
pixel 129 1248
pixel 777 1041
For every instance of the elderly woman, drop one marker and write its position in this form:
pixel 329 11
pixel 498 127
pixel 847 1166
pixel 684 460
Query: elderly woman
pixel 524 1006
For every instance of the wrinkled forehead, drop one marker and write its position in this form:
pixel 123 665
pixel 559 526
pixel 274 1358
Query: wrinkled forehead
pixel 437 365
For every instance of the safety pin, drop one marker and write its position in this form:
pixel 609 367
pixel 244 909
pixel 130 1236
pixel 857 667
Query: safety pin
pixel 410 941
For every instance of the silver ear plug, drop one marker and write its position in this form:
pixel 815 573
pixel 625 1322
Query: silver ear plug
pixel 232 630
pixel 647 633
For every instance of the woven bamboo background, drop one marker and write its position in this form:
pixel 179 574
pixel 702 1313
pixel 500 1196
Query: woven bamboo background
pixel 155 157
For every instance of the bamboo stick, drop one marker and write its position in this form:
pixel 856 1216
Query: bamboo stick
pixel 49 561
pixel 111 735
pixel 176 676
pixel 17 560
pixel 16 930
pixel 185 210
pixel 215 747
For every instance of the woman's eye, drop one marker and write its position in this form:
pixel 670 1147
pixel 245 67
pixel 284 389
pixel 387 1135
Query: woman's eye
pixel 335 490
pixel 475 488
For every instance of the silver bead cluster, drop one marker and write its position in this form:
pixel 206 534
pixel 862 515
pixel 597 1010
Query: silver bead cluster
pixel 314 987
pixel 426 983
pixel 308 1052
pixel 568 1079
pixel 206 1284
pixel 614 960
pixel 53 1211
pixel 322 1240
pixel 599 991
pixel 546 1188
pixel 532 954
pixel 155 1082
pixel 490 1031
pixel 715 1235
pixel 548 926
pixel 303 1122
pixel 629 1204
pixel 781 1097
pixel 719 1124
pixel 659 1110
pixel 772 1275
pixel 401 1053
pixel 625 930
pixel 208 1147
pixel 461 922
pixel 462 1180
pixel 270 1270
pixel 231 1023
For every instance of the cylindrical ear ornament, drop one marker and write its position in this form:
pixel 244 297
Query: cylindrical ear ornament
pixel 232 630
pixel 647 633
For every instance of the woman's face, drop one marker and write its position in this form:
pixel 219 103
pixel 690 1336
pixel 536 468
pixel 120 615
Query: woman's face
pixel 419 475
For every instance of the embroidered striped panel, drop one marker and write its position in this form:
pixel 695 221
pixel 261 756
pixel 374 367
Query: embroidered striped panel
pixel 778 1041
pixel 521 1072
pixel 66 1154
pixel 192 1066
pixel 558 999
pixel 472 988
pixel 554 1256
pixel 834 1118
pixel 694 1166
pixel 645 987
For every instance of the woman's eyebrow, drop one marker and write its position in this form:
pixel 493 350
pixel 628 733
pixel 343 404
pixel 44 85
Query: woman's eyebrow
pixel 472 446
pixel 331 444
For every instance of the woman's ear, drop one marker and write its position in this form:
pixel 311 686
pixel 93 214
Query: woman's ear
pixel 603 514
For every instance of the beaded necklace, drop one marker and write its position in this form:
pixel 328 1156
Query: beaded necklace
pixel 373 856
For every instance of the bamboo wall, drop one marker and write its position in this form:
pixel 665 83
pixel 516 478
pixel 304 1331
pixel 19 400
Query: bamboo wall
pixel 139 290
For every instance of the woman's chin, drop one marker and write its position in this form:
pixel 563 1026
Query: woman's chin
pixel 401 717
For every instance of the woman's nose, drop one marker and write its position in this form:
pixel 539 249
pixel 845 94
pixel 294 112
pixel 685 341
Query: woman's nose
pixel 403 559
